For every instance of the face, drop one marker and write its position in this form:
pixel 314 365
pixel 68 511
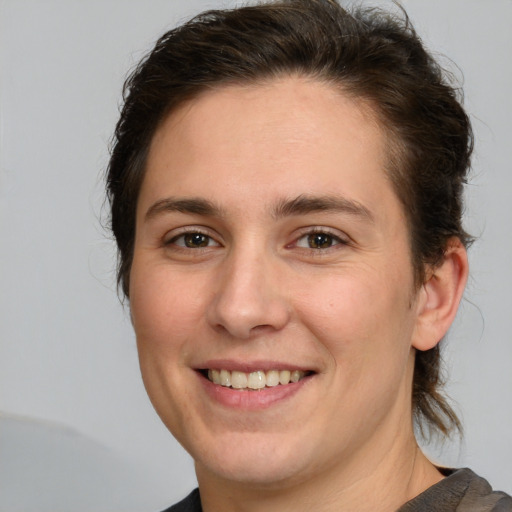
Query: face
pixel 272 287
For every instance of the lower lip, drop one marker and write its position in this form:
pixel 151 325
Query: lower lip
pixel 249 399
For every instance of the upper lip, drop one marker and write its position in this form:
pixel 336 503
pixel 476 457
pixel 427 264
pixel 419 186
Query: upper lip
pixel 250 366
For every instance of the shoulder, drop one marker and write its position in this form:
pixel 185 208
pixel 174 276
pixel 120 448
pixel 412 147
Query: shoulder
pixel 192 503
pixel 460 491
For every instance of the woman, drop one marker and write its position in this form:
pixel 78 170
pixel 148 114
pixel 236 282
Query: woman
pixel 286 186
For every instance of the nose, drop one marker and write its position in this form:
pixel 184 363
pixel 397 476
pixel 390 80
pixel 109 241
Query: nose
pixel 249 298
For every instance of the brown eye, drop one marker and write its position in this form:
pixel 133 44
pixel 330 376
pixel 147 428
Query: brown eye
pixel 320 241
pixel 195 240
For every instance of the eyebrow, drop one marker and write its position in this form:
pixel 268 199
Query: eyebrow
pixel 305 204
pixel 192 205
pixel 300 205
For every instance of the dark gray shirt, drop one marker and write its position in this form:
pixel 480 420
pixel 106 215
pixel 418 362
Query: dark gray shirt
pixel 460 491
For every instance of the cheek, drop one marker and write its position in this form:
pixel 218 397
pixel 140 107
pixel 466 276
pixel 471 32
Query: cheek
pixel 361 319
pixel 164 310
pixel 164 318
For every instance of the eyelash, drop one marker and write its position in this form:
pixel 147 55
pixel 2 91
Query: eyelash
pixel 334 240
pixel 191 232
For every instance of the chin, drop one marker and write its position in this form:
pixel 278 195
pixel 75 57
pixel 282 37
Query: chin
pixel 253 459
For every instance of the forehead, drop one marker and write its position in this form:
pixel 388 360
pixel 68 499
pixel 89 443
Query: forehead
pixel 289 136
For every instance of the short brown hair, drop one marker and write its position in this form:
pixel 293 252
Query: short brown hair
pixel 367 53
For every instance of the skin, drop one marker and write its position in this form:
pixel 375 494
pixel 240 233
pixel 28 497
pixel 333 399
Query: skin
pixel 259 293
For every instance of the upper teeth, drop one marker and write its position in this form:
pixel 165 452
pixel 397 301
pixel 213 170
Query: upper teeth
pixel 254 380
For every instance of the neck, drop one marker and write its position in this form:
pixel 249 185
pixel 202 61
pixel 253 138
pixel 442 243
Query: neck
pixel 383 479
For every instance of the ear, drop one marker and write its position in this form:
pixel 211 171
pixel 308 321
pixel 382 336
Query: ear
pixel 440 295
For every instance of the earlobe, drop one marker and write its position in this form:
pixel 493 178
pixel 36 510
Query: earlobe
pixel 440 295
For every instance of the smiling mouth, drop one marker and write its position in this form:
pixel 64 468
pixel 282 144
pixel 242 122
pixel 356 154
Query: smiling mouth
pixel 254 381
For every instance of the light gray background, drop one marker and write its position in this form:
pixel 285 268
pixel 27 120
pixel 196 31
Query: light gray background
pixel 77 431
